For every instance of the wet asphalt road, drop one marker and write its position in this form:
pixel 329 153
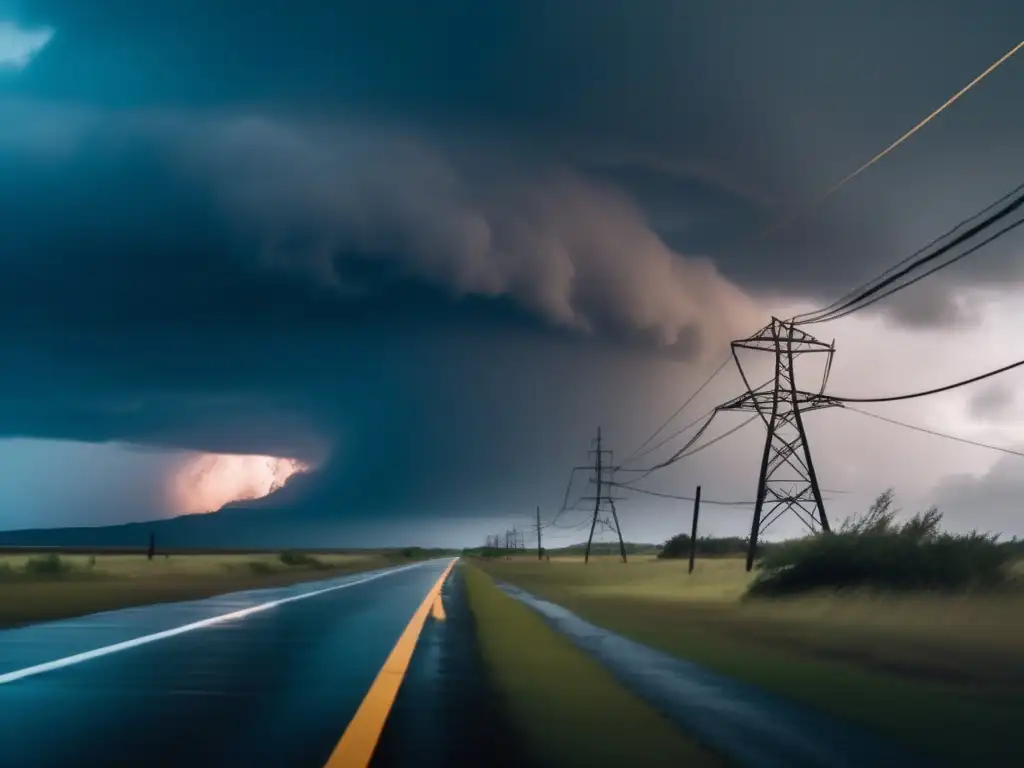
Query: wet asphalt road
pixel 277 687
pixel 274 688
pixel 445 714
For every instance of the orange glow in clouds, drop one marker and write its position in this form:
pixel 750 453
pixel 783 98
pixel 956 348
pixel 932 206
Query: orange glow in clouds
pixel 209 481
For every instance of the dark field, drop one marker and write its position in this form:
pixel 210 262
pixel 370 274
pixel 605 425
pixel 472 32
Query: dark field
pixel 935 671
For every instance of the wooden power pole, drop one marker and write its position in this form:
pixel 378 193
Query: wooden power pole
pixel 540 549
pixel 693 528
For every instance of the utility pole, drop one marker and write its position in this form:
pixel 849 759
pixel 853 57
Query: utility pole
pixel 780 405
pixel 152 546
pixel 693 528
pixel 601 472
pixel 540 549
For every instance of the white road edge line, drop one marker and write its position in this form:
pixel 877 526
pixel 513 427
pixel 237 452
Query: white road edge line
pixel 78 658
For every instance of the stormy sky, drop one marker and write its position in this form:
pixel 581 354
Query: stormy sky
pixel 425 249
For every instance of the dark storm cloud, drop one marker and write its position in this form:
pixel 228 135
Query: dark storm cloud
pixel 778 101
pixel 330 198
pixel 428 419
pixel 453 189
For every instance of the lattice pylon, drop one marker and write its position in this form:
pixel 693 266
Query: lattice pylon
pixel 780 405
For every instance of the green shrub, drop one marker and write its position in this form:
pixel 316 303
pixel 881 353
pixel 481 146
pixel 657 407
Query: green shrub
pixel 261 567
pixel 300 559
pixel 876 552
pixel 679 546
pixel 47 565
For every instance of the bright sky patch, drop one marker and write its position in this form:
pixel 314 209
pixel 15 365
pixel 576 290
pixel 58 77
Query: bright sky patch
pixel 18 46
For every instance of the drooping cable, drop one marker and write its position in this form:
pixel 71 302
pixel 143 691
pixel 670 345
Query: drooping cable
pixel 670 419
pixel 834 306
pixel 815 203
pixel 926 393
pixel 851 303
pixel 936 433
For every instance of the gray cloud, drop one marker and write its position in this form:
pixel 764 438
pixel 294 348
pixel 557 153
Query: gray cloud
pixel 933 305
pixel 335 199
pixel 576 252
pixel 991 502
pixel 994 403
pixel 704 97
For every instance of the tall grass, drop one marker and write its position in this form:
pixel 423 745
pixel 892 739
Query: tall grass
pixel 874 551
pixel 558 698
pixel 295 559
pixel 678 547
pixel 42 567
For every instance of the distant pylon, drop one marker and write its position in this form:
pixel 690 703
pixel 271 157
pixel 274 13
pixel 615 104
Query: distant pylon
pixel 780 405
pixel 604 479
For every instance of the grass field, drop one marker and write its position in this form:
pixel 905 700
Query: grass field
pixel 941 673
pixel 31 590
pixel 567 707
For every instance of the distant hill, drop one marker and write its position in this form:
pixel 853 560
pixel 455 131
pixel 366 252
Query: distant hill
pixel 230 529
pixel 302 515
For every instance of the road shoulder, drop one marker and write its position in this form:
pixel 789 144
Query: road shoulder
pixel 567 707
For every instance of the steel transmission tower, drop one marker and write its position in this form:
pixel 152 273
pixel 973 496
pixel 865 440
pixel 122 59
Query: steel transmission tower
pixel 603 478
pixel 780 405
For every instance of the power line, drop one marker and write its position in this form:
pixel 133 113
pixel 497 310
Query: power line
pixel 672 437
pixel 677 433
pixel 691 498
pixel 574 507
pixel 834 306
pixel 676 413
pixel 678 454
pixel 936 268
pixel 935 391
pixel 936 433
pixel 686 451
pixel 684 498
pixel 565 500
pixel 722 436
pixel 850 176
pixel 1017 202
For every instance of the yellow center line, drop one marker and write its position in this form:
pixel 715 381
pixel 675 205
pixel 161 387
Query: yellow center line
pixel 363 732
pixel 437 611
